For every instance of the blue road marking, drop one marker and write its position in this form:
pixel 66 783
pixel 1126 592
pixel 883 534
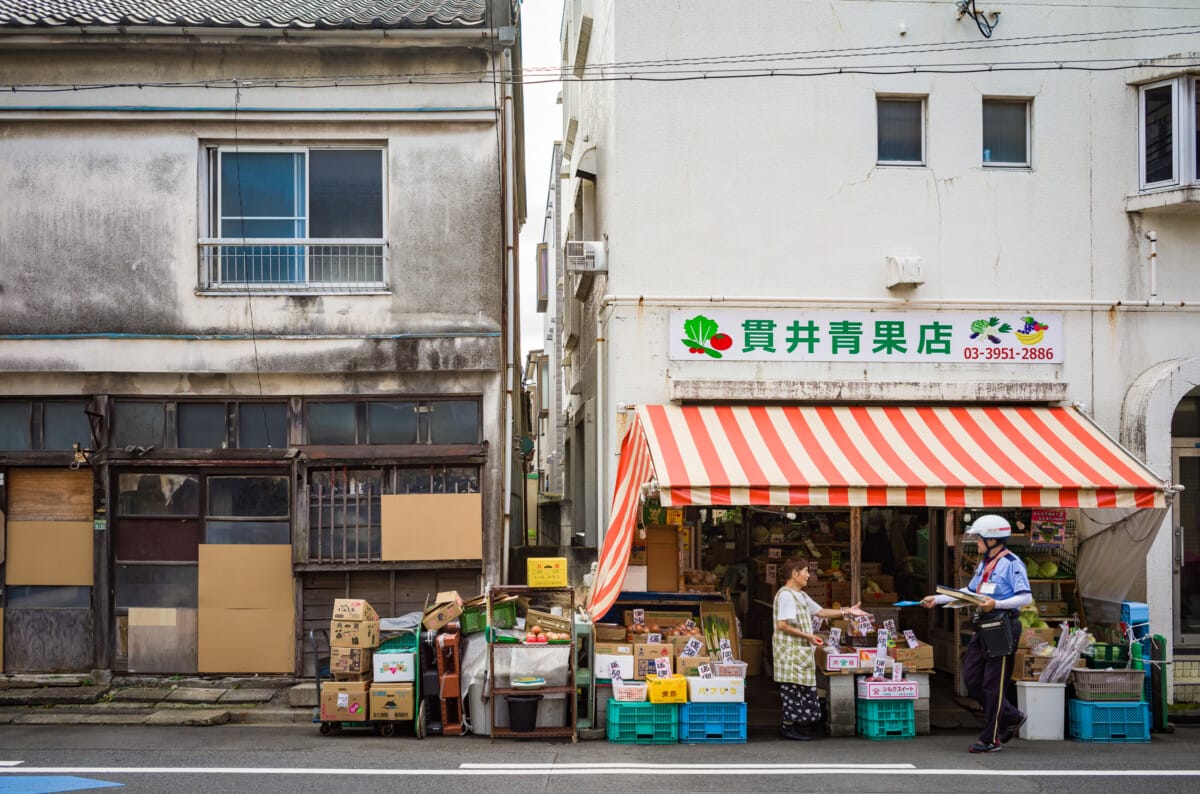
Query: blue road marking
pixel 41 784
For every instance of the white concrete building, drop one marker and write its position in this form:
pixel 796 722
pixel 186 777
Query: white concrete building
pixel 250 254
pixel 851 162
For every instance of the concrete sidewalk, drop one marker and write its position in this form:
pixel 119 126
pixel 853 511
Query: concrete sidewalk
pixel 100 699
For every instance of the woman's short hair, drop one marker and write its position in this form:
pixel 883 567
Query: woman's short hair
pixel 793 565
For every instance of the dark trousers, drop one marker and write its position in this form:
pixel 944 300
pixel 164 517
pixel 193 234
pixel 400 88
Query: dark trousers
pixel 987 679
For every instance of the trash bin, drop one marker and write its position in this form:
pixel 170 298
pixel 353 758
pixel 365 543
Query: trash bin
pixel 522 712
pixel 1045 705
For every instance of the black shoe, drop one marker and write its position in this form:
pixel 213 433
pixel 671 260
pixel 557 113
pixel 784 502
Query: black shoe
pixel 791 732
pixel 985 747
pixel 1010 733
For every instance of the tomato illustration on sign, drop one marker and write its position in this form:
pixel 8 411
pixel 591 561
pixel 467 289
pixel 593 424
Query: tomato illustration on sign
pixel 703 337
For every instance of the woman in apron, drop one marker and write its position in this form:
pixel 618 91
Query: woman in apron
pixel 794 651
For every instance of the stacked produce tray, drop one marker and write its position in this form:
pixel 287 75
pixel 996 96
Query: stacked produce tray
pixel 642 723
pixel 712 723
pixel 1109 722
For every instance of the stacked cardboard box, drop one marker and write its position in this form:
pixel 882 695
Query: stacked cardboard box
pixel 350 697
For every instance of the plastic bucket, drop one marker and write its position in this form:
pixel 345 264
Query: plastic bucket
pixel 1045 706
pixel 522 712
pixel 752 651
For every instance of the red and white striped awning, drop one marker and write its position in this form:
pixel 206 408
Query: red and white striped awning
pixel 976 456
pixel 864 456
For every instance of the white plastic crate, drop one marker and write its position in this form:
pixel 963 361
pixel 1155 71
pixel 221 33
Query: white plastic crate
pixel 718 689
pixel 631 692
pixel 729 669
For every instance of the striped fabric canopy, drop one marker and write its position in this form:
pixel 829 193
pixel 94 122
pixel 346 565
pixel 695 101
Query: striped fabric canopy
pixel 986 456
pixel 864 456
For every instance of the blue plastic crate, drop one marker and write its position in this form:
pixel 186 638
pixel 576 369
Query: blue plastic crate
pixel 712 723
pixel 885 719
pixel 642 723
pixel 1109 722
pixel 1136 616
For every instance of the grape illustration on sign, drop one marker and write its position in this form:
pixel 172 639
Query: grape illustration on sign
pixel 704 337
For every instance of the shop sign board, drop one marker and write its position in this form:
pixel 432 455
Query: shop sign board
pixel 987 336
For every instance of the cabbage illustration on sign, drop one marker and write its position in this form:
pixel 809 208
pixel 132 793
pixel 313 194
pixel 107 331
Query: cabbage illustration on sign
pixel 703 336
pixel 991 328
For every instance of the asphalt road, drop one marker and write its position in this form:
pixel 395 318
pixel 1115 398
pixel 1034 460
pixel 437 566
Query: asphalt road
pixel 296 759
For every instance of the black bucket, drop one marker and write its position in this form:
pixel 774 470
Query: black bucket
pixel 522 712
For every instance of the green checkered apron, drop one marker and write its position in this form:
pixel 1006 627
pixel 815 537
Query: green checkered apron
pixel 794 657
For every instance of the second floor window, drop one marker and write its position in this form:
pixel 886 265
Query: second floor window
pixel 1169 133
pixel 295 218
pixel 1006 132
pixel 900 130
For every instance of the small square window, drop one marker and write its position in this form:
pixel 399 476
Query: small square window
pixel 332 423
pixel 1005 132
pixel 901 131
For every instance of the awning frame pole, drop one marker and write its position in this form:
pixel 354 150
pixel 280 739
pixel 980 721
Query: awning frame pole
pixel 855 555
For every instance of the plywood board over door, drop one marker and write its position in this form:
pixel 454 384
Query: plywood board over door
pixel 246 620
pixel 423 527
pixel 49 623
pixel 49 495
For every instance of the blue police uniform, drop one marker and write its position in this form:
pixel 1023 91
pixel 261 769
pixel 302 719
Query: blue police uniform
pixel 987 678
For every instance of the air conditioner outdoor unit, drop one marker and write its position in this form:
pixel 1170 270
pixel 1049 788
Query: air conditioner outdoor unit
pixel 586 256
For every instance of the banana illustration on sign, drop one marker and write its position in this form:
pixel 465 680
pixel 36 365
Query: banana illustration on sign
pixel 1032 332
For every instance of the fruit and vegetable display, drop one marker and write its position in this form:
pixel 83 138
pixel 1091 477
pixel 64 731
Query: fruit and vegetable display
pixel 1030 619
pixel 1043 568
pixel 539 636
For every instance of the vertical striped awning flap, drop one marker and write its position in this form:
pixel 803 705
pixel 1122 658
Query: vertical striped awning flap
pixel 823 455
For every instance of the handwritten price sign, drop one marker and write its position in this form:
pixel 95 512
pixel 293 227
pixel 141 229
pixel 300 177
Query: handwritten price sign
pixel 705 671
pixel 911 638
pixel 835 637
pixel 662 667
pixel 614 672
pixel 726 651
pixel 639 616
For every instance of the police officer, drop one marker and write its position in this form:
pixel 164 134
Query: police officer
pixel 1001 580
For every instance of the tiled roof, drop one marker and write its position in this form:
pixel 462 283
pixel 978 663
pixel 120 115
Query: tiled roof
pixel 300 14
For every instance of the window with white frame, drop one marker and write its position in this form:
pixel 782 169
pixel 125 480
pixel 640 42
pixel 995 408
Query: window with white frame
pixel 296 217
pixel 900 126
pixel 1169 133
pixel 1006 133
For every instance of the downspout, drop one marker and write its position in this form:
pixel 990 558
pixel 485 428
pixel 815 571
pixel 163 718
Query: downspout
pixel 1152 236
pixel 601 436
pixel 509 277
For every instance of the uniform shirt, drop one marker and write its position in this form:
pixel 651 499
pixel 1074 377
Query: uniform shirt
pixel 1009 576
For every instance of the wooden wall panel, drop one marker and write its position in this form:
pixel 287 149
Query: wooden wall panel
pixel 50 495
pixel 162 640
pixel 48 640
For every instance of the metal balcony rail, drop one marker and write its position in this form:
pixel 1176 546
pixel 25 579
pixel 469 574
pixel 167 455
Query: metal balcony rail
pixel 290 264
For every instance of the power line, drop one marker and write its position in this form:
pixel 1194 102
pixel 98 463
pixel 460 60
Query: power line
pixel 628 69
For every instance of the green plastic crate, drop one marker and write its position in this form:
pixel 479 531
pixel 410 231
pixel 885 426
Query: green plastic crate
pixel 642 723
pixel 474 620
pixel 885 719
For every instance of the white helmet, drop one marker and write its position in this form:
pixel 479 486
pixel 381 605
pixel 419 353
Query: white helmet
pixel 990 526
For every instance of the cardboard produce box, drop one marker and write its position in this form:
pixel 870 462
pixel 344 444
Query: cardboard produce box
pixel 536 617
pixel 918 658
pixel 446 607
pixel 344 701
pixel 690 665
pixel 839 593
pixel 353 633
pixel 349 660
pixel 614 648
pixel 394 667
pixel 392 702
pixel 1031 638
pixel 644 654
pixel 1054 609
pixel 831 660
pixel 353 609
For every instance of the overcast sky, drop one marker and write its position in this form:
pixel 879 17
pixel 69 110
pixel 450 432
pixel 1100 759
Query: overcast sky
pixel 540 21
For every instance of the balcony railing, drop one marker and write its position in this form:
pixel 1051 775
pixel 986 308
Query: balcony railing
pixel 288 265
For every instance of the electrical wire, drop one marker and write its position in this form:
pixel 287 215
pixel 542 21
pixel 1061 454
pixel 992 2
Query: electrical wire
pixel 628 70
pixel 967 8
pixel 237 170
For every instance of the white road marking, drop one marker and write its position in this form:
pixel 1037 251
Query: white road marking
pixel 11 763
pixel 627 769
pixel 732 767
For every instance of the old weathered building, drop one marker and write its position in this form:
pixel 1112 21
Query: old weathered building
pixel 257 338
